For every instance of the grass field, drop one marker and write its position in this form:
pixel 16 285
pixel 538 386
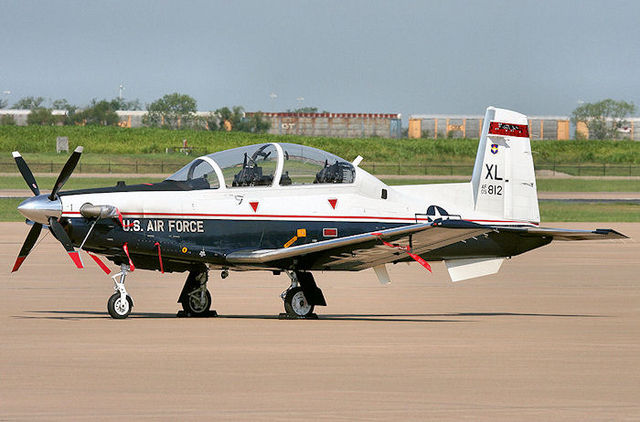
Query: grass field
pixel 589 211
pixel 119 141
pixel 46 182
pixel 544 185
pixel 547 185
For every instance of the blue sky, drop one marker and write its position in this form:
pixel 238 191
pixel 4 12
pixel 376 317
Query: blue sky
pixel 537 57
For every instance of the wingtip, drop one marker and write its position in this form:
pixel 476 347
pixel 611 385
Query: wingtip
pixel 16 154
pixel 79 149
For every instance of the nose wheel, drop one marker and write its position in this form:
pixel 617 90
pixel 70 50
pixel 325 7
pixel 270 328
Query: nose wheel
pixel 118 308
pixel 120 303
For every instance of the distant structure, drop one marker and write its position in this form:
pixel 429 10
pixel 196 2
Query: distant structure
pixel 366 125
pixel 339 125
pixel 470 126
pixel 20 116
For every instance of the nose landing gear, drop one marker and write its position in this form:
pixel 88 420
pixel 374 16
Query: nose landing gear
pixel 120 303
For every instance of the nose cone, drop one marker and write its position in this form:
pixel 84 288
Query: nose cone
pixel 40 208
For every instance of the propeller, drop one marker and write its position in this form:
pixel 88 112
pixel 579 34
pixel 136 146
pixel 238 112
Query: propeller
pixel 26 173
pixel 27 245
pixel 68 168
pixel 45 209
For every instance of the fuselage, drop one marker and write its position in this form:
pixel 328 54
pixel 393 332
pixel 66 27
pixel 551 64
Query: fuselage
pixel 203 225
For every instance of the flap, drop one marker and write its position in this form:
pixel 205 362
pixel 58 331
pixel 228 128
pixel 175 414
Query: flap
pixel 365 250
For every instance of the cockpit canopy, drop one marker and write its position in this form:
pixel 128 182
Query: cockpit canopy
pixel 271 164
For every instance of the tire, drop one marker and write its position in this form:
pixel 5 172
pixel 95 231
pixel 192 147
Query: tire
pixel 116 308
pixel 194 307
pixel 295 303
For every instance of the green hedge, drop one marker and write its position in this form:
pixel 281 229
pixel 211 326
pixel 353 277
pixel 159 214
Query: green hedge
pixel 114 140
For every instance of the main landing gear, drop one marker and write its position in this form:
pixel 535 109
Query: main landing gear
pixel 195 298
pixel 120 303
pixel 301 297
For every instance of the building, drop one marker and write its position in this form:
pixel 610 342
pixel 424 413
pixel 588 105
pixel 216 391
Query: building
pixel 339 125
pixel 470 126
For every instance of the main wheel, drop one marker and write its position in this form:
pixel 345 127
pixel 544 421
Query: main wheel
pixel 118 308
pixel 296 304
pixel 196 305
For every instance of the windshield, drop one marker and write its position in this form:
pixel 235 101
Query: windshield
pixel 259 165
pixel 199 174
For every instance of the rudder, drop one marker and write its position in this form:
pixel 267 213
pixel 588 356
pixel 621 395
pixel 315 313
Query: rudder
pixel 503 181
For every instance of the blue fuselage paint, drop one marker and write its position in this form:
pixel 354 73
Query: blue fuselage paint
pixel 207 241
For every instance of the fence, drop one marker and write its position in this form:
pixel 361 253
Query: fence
pixel 426 169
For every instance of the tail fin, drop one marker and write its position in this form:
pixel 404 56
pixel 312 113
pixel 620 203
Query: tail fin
pixel 503 181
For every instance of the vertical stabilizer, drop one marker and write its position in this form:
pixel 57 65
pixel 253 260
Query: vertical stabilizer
pixel 503 181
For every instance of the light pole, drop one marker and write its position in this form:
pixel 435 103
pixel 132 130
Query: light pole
pixel 120 91
pixel 300 101
pixel 273 97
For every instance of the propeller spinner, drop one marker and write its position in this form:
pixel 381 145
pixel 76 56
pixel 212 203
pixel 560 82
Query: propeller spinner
pixel 45 209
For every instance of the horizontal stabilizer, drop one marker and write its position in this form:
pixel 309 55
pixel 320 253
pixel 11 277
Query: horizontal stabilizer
pixel 464 269
pixel 568 234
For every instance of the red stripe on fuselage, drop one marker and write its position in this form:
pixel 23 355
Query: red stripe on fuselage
pixel 285 217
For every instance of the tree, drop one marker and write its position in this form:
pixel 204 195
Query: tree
pixel 7 120
pixel 63 104
pixel 256 124
pixel 121 104
pixel 28 103
pixel 99 113
pixel 3 103
pixel 41 116
pixel 172 111
pixel 604 118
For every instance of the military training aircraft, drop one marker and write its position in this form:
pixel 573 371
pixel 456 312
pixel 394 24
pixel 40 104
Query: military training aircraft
pixel 290 208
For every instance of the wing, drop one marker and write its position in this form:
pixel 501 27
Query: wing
pixel 363 250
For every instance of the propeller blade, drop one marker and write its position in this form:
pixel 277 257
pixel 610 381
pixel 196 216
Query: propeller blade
pixel 68 168
pixel 62 236
pixel 31 239
pixel 26 173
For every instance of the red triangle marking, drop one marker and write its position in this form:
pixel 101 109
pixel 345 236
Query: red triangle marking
pixel 333 203
pixel 254 205
pixel 75 257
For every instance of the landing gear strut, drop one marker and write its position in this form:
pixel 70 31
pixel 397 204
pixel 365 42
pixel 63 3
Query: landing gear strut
pixel 120 303
pixel 195 298
pixel 302 296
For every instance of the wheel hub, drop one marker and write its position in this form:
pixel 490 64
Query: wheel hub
pixel 121 306
pixel 300 304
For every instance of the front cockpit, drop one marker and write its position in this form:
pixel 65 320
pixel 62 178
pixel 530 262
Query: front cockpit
pixel 271 164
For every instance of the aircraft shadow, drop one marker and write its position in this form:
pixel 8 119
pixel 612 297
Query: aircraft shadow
pixel 434 317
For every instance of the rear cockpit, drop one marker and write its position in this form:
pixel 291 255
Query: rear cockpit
pixel 271 164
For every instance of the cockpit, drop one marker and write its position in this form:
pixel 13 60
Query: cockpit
pixel 271 164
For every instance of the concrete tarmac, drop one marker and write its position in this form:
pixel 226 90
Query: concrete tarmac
pixel 554 336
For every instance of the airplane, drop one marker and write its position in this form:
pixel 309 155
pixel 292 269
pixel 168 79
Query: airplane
pixel 290 208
